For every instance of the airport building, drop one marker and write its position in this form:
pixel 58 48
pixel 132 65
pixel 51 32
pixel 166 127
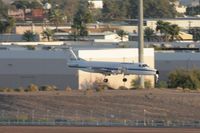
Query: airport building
pixel 20 67
pixel 167 62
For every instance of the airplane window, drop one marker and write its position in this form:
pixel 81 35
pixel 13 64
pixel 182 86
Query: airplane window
pixel 143 65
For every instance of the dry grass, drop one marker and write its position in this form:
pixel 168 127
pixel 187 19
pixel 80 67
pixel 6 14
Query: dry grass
pixel 93 130
pixel 122 104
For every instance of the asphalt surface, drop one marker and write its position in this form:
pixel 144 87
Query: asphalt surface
pixel 94 130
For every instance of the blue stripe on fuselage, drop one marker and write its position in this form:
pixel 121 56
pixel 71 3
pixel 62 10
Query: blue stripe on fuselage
pixel 108 68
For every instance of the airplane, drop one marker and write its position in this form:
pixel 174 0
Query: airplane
pixel 111 68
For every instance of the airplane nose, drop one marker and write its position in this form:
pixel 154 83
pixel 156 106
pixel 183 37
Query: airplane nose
pixel 157 72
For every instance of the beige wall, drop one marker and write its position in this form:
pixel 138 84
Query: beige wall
pixel 22 29
pixel 114 55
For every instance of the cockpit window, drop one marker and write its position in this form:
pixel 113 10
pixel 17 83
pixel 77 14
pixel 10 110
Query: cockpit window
pixel 143 65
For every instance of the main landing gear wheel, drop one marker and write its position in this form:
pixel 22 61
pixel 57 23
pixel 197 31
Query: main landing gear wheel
pixel 124 79
pixel 105 80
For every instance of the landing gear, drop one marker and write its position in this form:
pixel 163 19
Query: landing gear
pixel 156 78
pixel 105 80
pixel 124 79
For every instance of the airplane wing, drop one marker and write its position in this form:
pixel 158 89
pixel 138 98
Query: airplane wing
pixel 109 71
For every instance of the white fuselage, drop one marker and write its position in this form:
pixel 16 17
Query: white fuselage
pixel 108 68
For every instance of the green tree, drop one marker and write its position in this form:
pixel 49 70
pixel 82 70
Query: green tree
pixel 35 4
pixel 149 33
pixel 81 18
pixel 115 9
pixel 129 9
pixel 21 4
pixel 121 33
pixel 69 7
pixel 184 78
pixel 163 27
pixel 3 10
pixel 24 4
pixel 7 25
pixel 168 30
pixel 29 36
pixel 192 11
pixel 174 31
pixel 56 17
pixel 196 33
pixel 47 34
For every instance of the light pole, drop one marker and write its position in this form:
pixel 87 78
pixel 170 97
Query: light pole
pixel 91 114
pixel 141 39
pixel 105 119
pixel 2 114
pixel 33 115
pixel 119 113
pixel 76 113
pixel 62 114
pixel 144 117
pixel 47 115
pixel 18 112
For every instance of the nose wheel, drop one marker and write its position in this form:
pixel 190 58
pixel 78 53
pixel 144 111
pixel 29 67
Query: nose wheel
pixel 156 78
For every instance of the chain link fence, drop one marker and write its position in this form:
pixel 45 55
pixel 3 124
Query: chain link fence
pixel 89 118
pixel 125 123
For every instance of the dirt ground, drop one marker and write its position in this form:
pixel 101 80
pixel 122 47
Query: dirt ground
pixel 93 130
pixel 153 104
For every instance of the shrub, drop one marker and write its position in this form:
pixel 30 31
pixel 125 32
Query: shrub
pixel 98 85
pixel 68 90
pixel 88 92
pixel 8 90
pixel 86 85
pixel 20 89
pixel 31 47
pixel 32 88
pixel 148 84
pixel 161 84
pixel 48 88
pixel 135 83
pixel 29 36
pixel 184 79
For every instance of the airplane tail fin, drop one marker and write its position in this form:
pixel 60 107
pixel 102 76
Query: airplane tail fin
pixel 73 54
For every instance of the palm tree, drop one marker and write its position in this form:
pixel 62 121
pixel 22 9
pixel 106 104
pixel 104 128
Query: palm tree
pixel 10 24
pixel 170 31
pixel 56 17
pixel 174 31
pixel 149 33
pixel 121 33
pixel 47 34
pixel 164 28
pixel 29 36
